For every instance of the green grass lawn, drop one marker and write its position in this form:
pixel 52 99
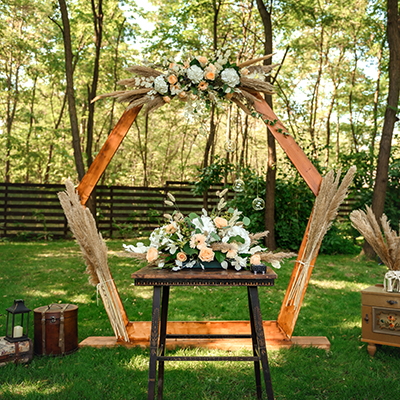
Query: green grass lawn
pixel 53 272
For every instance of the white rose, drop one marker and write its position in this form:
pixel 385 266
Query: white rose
pixel 230 77
pixel 160 85
pixel 195 74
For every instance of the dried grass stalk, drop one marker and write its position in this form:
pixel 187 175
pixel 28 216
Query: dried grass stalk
pixel 154 104
pixel 386 246
pixel 94 251
pixel 257 85
pixel 325 209
pixel 256 237
pixel 270 257
pixel 235 100
pixel 248 96
pixel 144 71
pixel 254 61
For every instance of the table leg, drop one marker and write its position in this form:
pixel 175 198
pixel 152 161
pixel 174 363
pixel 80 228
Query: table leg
pixel 262 349
pixel 155 320
pixel 254 340
pixel 163 332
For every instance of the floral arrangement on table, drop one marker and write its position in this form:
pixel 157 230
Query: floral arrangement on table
pixel 196 78
pixel 186 242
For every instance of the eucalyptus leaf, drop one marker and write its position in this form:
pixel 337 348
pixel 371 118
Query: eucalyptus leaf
pixel 246 221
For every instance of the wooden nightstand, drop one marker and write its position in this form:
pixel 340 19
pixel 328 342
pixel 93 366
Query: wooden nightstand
pixel 380 312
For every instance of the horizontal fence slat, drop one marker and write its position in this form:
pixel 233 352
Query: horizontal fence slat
pixel 34 209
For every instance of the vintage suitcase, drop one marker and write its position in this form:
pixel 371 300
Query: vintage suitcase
pixel 56 329
pixel 17 352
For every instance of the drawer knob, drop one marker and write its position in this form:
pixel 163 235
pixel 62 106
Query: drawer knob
pixel 366 319
pixel 391 302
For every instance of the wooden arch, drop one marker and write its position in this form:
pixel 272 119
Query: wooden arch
pixel 279 332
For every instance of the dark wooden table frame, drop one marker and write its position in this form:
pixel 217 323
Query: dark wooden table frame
pixel 162 280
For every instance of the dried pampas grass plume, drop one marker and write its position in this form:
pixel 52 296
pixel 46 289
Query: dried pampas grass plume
pixel 325 210
pixel 94 251
pixel 386 246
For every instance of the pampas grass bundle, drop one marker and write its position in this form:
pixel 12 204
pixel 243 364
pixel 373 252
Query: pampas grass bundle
pixel 386 245
pixel 325 210
pixel 94 251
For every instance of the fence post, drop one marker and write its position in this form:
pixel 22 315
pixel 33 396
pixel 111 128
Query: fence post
pixel 5 208
pixel 111 210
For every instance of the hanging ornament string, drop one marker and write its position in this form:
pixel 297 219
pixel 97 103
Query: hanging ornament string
pixel 230 145
pixel 258 203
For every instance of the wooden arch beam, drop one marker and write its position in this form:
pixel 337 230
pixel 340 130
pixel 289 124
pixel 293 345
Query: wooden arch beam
pixel 287 317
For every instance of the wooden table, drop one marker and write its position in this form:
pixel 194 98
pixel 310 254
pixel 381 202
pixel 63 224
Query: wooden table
pixel 163 279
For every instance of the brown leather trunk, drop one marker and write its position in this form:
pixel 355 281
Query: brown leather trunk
pixel 56 329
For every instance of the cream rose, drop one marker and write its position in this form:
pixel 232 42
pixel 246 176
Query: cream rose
pixel 206 254
pixel 230 77
pixel 160 85
pixel 255 259
pixel 152 254
pixel 195 74
pixel 181 256
pixel 220 222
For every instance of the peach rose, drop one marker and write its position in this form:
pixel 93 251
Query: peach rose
pixel 198 240
pixel 170 228
pixel 255 259
pixel 167 99
pixel 202 60
pixel 220 222
pixel 172 79
pixel 206 254
pixel 203 85
pixel 244 71
pixel 152 254
pixel 210 75
pixel 186 64
pixel 181 256
pixel 172 66
pixel 232 253
pixel 183 95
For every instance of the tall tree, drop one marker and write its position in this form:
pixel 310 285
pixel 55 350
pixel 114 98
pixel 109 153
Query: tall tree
pixel 66 31
pixel 269 214
pixel 392 109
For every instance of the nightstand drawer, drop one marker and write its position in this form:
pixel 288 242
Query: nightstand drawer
pixel 376 296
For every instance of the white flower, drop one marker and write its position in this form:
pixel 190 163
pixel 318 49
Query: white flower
pixel 160 85
pixel 205 224
pixel 238 231
pixel 224 265
pixel 139 248
pixel 195 74
pixel 276 264
pixel 230 77
pixel 256 249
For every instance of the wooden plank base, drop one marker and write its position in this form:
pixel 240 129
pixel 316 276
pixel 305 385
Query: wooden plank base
pixel 139 334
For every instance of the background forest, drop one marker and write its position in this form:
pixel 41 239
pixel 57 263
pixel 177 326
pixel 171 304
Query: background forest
pixel 331 93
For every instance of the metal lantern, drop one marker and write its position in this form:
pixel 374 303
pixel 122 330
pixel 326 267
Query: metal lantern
pixel 18 332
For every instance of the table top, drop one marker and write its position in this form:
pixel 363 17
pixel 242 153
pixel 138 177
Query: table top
pixel 154 276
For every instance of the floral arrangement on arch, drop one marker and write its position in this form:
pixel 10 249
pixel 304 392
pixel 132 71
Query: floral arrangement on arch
pixel 196 79
pixel 185 242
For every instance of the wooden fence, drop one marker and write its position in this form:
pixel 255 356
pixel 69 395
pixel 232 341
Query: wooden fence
pixel 33 210
pixel 28 210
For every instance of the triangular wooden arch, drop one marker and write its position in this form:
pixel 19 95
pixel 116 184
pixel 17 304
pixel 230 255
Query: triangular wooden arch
pixel 279 332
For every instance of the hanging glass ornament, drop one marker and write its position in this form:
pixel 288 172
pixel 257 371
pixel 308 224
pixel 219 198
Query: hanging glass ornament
pixel 238 185
pixel 258 204
pixel 230 146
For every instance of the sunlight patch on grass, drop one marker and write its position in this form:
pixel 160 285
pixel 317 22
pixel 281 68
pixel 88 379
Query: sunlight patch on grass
pixel 339 285
pixel 81 298
pixel 28 388
pixel 143 292
pixel 58 292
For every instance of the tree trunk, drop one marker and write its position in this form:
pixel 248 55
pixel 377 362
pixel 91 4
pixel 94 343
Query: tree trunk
pixel 31 120
pixel 269 214
pixel 376 99
pixel 393 35
pixel 70 90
